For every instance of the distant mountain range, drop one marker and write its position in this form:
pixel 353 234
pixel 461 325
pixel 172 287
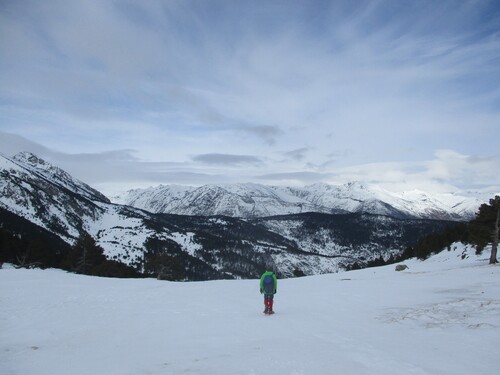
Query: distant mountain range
pixel 221 232
pixel 254 200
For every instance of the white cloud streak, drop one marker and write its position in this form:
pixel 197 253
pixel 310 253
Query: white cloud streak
pixel 120 170
pixel 373 90
pixel 224 159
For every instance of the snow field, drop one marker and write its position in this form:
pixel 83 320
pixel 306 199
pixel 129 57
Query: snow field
pixel 440 316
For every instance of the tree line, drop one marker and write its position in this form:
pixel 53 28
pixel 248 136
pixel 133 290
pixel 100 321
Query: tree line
pixel 84 257
pixel 483 230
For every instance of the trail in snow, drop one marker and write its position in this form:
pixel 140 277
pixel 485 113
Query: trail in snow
pixel 439 317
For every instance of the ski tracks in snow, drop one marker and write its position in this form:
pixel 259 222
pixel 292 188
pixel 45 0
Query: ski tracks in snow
pixel 469 313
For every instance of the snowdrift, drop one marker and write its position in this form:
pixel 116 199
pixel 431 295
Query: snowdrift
pixel 440 316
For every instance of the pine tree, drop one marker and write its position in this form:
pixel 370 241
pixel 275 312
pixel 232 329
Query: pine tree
pixel 86 254
pixel 164 267
pixel 485 228
pixel 496 229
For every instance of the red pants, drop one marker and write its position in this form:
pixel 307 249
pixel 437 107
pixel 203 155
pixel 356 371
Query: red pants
pixel 268 301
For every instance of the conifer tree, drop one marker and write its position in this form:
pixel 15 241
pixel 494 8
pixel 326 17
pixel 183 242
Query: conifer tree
pixel 485 228
pixel 494 246
pixel 86 254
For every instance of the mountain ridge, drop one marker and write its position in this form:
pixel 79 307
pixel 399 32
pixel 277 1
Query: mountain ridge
pixel 250 200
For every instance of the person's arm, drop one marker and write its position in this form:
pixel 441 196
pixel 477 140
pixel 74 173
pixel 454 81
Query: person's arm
pixel 275 283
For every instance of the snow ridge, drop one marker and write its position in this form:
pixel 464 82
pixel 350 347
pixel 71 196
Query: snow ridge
pixel 253 200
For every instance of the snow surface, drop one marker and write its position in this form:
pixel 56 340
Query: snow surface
pixel 440 316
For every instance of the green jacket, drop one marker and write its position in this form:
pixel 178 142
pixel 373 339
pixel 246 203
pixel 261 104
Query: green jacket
pixel 262 281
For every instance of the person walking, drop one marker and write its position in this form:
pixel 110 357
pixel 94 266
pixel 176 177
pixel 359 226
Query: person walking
pixel 268 287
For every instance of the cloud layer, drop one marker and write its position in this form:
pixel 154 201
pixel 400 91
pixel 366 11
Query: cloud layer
pixel 196 92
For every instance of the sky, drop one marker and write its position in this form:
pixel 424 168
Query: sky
pixel 127 94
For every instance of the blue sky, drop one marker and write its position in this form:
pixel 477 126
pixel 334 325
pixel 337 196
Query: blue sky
pixel 122 94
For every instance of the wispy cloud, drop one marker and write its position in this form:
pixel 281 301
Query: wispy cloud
pixel 294 178
pixel 119 170
pixel 391 82
pixel 265 132
pixel 225 159
pixel 446 171
pixel 298 154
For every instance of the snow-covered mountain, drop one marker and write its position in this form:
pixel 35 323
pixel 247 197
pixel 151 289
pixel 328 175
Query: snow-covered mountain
pixel 254 200
pixel 48 196
pixel 51 199
pixel 210 247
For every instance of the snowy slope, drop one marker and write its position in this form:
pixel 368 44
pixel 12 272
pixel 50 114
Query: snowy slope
pixel 238 200
pixel 47 196
pixel 29 161
pixel 52 199
pixel 153 197
pixel 359 237
pixel 441 316
pixel 254 200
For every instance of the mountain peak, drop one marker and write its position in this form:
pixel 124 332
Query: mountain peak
pixel 29 158
pixel 55 174
pixel 355 183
